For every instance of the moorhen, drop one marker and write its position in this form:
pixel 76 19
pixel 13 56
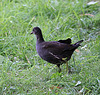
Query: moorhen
pixel 55 52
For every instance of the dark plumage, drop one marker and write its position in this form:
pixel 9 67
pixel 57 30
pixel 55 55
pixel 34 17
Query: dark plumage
pixel 55 52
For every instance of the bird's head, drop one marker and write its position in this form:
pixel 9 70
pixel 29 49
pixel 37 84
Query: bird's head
pixel 36 31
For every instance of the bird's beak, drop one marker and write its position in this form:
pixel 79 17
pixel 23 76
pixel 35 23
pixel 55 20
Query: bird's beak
pixel 32 32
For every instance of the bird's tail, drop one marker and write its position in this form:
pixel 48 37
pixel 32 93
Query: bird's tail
pixel 78 43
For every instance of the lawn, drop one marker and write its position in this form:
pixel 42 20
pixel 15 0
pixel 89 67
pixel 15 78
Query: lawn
pixel 23 72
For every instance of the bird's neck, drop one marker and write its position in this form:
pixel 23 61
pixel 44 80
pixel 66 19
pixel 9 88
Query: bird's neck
pixel 39 38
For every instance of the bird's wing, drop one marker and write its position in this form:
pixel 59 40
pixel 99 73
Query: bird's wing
pixel 67 41
pixel 56 47
pixel 58 50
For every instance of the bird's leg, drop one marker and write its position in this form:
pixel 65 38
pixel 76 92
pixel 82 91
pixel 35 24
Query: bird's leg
pixel 67 69
pixel 59 69
pixel 67 66
pixel 74 60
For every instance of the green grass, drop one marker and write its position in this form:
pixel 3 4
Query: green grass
pixel 23 72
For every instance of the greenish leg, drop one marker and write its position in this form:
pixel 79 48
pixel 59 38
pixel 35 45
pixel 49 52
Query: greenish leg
pixel 67 66
pixel 68 69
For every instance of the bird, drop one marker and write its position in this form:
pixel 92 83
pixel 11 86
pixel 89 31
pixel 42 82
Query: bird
pixel 55 52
